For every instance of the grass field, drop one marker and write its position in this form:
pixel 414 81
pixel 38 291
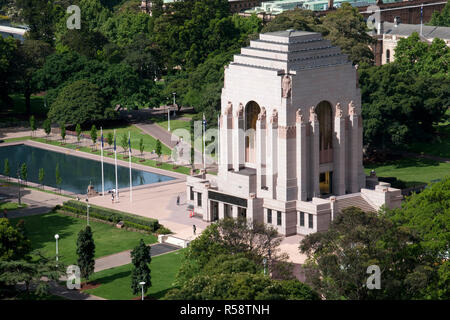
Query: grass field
pixel 116 282
pixel 136 134
pixel 41 230
pixel 174 124
pixel 412 171
pixel 11 206
pixel 147 162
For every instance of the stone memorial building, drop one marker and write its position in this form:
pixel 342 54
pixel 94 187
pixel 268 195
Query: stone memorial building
pixel 290 138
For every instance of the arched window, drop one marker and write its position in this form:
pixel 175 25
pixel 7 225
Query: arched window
pixel 388 56
pixel 324 115
pixel 252 110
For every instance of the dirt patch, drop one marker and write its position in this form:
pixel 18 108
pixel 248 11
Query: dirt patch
pixel 89 285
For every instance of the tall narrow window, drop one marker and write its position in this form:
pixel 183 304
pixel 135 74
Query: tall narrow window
pixel 278 218
pixel 302 219
pixel 310 221
pixel 388 56
pixel 269 215
pixel 199 199
pixel 324 115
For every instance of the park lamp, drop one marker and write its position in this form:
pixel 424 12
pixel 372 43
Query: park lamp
pixel 142 283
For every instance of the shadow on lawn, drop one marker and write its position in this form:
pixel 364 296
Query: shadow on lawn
pixel 113 277
pixel 404 163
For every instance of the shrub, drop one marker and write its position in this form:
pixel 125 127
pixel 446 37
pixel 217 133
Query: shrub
pixel 114 216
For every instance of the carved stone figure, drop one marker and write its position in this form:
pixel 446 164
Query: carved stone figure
pixel 352 109
pixel 338 110
pixel 240 110
pixel 312 114
pixel 274 118
pixel 262 114
pixel 286 86
pixel 229 108
pixel 299 116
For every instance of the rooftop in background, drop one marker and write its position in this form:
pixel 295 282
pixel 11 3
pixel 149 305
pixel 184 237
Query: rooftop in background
pixel 405 30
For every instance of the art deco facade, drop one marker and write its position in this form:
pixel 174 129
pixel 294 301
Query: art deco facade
pixel 290 138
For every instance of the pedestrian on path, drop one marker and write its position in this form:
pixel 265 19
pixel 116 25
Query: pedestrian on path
pixel 178 200
pixel 112 197
pixel 194 228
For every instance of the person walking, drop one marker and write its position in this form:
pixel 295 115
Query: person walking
pixel 112 197
pixel 178 200
pixel 194 228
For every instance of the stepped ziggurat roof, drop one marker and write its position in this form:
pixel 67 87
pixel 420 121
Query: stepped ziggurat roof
pixel 290 50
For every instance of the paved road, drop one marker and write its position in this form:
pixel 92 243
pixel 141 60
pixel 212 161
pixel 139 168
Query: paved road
pixel 123 258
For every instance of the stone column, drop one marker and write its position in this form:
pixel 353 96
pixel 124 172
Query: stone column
pixel 261 137
pixel 286 179
pixel 238 139
pixel 314 153
pixel 221 210
pixel 339 152
pixel 301 157
pixel 355 148
pixel 272 154
pixel 226 138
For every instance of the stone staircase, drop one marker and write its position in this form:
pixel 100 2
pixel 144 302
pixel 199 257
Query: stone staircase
pixel 356 200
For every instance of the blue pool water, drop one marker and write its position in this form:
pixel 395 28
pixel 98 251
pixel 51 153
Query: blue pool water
pixel 76 172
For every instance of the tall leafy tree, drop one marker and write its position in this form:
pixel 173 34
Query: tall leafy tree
pixel 63 131
pixel 94 134
pixel 24 172
pixel 141 257
pixel 14 245
pixel 78 132
pixel 442 18
pixel 86 252
pixel 32 125
pixel 8 48
pixel 338 259
pixel 47 127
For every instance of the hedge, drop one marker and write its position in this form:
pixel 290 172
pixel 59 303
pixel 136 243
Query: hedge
pixel 111 215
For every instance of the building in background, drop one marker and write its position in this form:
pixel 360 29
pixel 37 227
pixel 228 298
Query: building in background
pixel 388 34
pixel 290 139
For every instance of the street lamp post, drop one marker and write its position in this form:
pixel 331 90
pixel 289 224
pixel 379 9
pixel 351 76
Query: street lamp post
pixel 174 103
pixel 88 206
pixel 18 176
pixel 56 238
pixel 142 283
pixel 168 116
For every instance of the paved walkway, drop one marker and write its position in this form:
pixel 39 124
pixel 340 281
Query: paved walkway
pixel 124 257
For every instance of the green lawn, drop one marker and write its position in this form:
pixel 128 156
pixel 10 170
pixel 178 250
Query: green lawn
pixel 147 162
pixel 174 123
pixel 41 230
pixel 11 206
pixel 116 282
pixel 136 134
pixel 412 171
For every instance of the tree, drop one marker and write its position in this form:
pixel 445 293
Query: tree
pixel 8 49
pixel 86 252
pixel 124 142
pixel 24 172
pixel 141 146
pixel 241 286
pixel 78 102
pixel 41 176
pixel 110 138
pixel 93 134
pixel 63 131
pixel 32 125
pixel 6 168
pixel 47 127
pixel 428 215
pixel 412 92
pixel 13 243
pixel 31 55
pixel 338 259
pixel 297 19
pixel 58 178
pixel 158 148
pixel 141 257
pixel 78 131
pixel 442 18
pixel 347 29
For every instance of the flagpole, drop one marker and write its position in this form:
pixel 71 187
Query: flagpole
pixel 115 162
pixel 204 144
pixel 103 179
pixel 421 19
pixel 218 140
pixel 129 157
